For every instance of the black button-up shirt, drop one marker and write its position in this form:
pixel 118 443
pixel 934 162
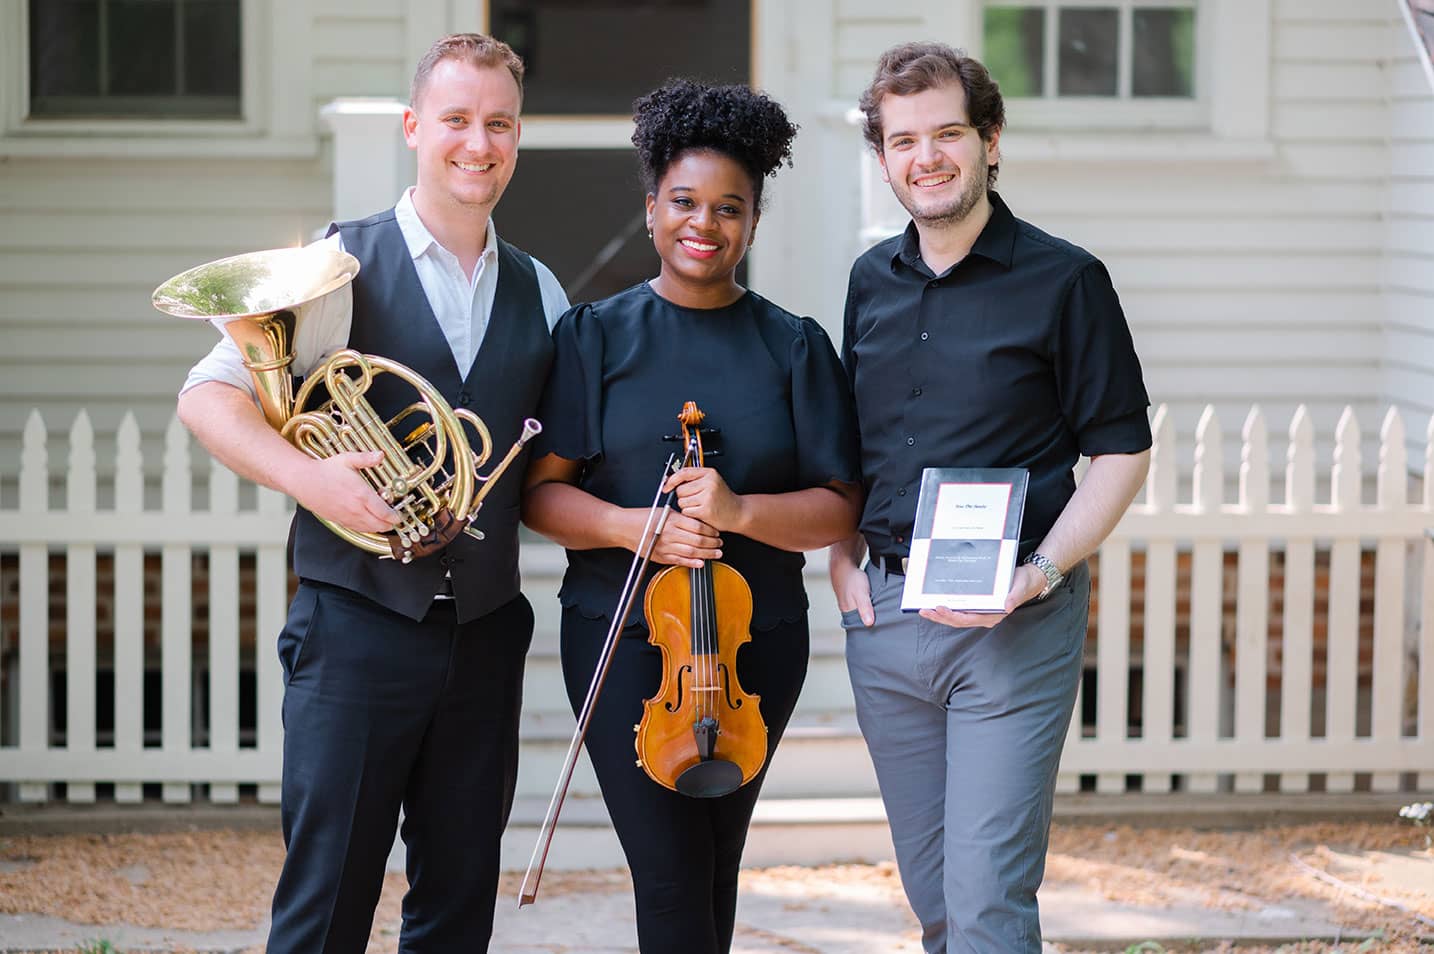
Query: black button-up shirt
pixel 1017 356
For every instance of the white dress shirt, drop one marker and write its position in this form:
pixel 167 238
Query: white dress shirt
pixel 463 307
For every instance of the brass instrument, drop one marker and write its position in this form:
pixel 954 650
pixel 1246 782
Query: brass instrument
pixel 255 297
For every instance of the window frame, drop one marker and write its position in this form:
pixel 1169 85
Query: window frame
pixel 600 130
pixel 274 57
pixel 560 132
pixel 169 104
pixel 1230 101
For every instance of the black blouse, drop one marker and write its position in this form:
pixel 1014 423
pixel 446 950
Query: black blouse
pixel 770 382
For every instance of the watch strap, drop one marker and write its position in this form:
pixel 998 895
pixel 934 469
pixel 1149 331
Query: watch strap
pixel 1052 573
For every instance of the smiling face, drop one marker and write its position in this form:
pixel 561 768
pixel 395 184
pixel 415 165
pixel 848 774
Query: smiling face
pixel 702 216
pixel 465 131
pixel 935 161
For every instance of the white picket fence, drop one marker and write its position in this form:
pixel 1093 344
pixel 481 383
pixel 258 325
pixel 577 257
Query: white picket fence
pixel 1220 675
pixel 1255 527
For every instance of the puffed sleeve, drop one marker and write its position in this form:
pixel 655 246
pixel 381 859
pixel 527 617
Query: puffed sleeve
pixel 571 408
pixel 823 415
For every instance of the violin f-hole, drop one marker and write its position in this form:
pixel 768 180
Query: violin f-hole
pixel 727 687
pixel 677 703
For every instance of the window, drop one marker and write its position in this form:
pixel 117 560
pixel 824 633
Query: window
pixel 1143 49
pixel 600 252
pixel 134 58
pixel 582 56
pixel 582 75
pixel 156 78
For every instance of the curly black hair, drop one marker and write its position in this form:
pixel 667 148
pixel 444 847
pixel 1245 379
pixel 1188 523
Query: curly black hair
pixel 736 121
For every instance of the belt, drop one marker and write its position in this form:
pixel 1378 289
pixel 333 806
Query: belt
pixel 445 589
pixel 892 563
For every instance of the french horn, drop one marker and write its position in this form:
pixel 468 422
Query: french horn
pixel 429 473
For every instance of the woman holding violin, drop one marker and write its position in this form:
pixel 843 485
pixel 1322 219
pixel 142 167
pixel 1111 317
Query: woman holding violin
pixel 776 473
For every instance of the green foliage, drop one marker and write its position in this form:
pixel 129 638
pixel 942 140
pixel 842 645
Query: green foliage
pixel 99 946
pixel 1014 49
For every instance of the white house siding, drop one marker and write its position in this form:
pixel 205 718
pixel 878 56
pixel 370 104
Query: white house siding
pixel 1296 276
pixel 360 49
pixel 1408 368
pixel 84 241
pixel 1248 274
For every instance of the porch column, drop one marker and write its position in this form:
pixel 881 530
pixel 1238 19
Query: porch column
pixel 371 165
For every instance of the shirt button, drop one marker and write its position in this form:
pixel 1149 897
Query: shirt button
pixel 900 539
pixel 901 492
pixel 924 336
pixel 910 441
pixel 916 392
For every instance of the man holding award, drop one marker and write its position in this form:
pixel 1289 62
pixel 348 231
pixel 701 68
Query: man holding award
pixel 996 355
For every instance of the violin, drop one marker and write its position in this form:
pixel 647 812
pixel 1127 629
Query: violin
pixel 704 736
pixel 701 735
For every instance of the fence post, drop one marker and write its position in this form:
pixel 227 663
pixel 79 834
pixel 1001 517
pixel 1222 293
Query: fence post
pixel 80 608
pixel 1157 717
pixel 271 599
pixel 1252 609
pixel 1387 681
pixel 1342 630
pixel 1297 640
pixel 1204 689
pixel 176 613
pixel 223 632
pixel 1426 618
pixel 34 726
pixel 1112 651
pixel 129 607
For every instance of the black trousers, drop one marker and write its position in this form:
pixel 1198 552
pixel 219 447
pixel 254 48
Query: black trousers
pixel 381 712
pixel 683 852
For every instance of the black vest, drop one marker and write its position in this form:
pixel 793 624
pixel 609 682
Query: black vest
pixel 392 318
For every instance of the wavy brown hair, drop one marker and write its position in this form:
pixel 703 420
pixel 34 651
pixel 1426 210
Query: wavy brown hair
pixel 916 67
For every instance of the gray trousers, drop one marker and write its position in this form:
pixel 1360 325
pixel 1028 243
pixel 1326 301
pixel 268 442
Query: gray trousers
pixel 965 728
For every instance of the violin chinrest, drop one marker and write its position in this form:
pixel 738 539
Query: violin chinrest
pixel 711 779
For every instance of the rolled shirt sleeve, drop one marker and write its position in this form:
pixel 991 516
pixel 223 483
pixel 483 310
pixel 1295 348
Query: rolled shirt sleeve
pixel 1101 388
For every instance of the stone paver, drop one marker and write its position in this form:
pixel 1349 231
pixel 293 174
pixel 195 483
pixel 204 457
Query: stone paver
pixel 34 932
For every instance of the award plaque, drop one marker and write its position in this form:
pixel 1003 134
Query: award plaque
pixel 963 547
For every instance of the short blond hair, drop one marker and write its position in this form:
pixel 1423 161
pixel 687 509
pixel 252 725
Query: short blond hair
pixel 476 49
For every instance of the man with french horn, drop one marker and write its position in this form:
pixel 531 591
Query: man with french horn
pixel 403 676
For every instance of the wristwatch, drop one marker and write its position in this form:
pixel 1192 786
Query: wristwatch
pixel 1053 574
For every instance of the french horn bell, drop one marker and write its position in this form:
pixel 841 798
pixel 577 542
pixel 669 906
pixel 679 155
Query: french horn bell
pixel 429 471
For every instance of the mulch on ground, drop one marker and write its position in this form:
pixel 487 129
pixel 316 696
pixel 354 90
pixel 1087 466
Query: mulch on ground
pixel 215 880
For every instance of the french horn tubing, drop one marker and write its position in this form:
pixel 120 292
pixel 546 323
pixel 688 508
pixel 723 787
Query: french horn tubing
pixel 429 470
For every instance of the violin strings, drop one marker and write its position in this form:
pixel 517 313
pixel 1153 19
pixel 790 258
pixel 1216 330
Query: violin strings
pixel 709 619
pixel 705 636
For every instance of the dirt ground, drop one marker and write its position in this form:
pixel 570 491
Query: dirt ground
pixel 212 880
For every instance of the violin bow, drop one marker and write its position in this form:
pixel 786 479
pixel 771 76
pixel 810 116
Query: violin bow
pixel 656 520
